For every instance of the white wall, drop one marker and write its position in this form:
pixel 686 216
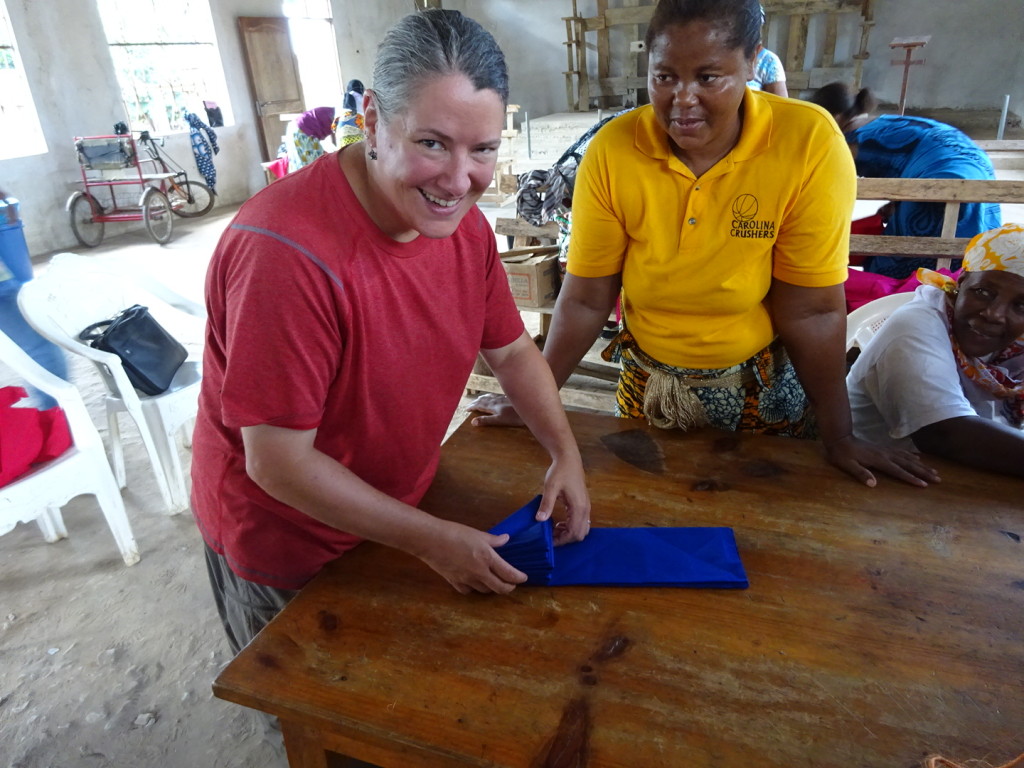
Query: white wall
pixel 974 56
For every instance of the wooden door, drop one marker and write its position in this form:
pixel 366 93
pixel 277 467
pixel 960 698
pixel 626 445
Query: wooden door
pixel 273 77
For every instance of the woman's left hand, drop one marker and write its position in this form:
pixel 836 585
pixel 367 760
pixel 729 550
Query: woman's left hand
pixel 566 482
pixel 858 457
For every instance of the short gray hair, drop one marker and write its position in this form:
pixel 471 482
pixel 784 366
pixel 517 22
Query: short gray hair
pixel 434 43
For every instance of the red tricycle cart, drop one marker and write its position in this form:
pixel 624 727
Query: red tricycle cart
pixel 117 189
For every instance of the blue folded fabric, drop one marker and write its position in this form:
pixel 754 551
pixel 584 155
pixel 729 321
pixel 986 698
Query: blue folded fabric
pixel 620 557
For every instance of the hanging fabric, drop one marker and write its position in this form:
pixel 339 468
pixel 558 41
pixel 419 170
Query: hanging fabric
pixel 204 147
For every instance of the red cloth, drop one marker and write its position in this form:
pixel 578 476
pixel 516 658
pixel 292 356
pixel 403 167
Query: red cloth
pixel 318 320
pixel 28 436
pixel 862 287
pixel 869 225
pixel 279 167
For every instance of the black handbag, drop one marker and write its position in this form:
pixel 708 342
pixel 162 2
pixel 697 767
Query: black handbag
pixel 150 355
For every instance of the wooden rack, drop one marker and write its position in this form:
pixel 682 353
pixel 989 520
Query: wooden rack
pixel 951 192
pixel 586 90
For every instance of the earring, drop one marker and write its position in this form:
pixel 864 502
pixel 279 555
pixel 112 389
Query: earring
pixel 372 153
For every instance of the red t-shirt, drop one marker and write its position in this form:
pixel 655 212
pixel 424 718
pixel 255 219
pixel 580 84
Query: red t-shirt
pixel 318 320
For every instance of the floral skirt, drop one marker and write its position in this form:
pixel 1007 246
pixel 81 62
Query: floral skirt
pixel 761 395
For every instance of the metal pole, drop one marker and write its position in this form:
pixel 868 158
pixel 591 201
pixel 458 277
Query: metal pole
pixel 1002 120
pixel 526 127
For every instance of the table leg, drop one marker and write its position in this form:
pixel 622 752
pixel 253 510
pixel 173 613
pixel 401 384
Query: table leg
pixel 304 746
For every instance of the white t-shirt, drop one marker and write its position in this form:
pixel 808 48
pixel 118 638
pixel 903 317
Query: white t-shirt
pixel 907 377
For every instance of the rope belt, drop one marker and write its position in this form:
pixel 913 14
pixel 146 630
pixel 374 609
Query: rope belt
pixel 670 396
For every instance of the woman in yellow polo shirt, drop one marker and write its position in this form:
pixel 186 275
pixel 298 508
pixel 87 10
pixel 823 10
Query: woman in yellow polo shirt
pixel 721 216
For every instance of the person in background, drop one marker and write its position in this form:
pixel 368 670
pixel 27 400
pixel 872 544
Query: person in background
pixel 349 125
pixel 329 293
pixel 353 101
pixel 769 74
pixel 721 215
pixel 905 147
pixel 304 134
pixel 15 271
pixel 945 373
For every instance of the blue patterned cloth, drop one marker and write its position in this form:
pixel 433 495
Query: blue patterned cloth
pixel 204 147
pixel 897 146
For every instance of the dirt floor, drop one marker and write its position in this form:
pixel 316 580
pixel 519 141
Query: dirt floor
pixel 106 665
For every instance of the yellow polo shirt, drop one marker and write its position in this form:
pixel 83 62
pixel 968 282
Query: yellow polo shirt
pixel 697 256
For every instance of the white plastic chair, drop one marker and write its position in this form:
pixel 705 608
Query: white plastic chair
pixel 865 320
pixel 82 469
pixel 63 301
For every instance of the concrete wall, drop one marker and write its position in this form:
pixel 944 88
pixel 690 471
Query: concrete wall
pixel 974 56
pixel 973 59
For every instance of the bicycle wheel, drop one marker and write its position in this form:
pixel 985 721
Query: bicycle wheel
pixel 156 213
pixel 189 198
pixel 84 211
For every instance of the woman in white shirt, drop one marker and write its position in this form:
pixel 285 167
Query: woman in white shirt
pixel 945 373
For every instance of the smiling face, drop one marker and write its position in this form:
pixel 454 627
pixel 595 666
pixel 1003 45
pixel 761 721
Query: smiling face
pixel 988 314
pixel 696 81
pixel 435 159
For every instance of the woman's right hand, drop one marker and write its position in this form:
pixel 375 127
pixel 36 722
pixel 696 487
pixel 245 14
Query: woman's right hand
pixel 469 561
pixel 497 411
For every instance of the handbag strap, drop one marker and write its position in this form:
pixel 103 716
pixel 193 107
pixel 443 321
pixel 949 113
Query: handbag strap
pixel 94 331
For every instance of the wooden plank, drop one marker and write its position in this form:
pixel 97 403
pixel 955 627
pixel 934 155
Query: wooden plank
pixel 887 245
pixel 807 7
pixel 797 81
pixel 819 76
pixel 796 48
pixel 1001 145
pixel 633 60
pixel 604 55
pixel 942 190
pixel 828 55
pixel 614 17
pixel 583 102
pixel 522 228
pixel 617 86
pixel 577 398
pixel 533 250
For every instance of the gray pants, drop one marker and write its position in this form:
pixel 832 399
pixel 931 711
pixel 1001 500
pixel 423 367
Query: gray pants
pixel 245 607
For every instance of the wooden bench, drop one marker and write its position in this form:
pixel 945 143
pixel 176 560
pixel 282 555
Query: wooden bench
pixel 951 192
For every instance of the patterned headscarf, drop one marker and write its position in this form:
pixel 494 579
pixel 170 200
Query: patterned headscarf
pixel 316 122
pixel 1000 249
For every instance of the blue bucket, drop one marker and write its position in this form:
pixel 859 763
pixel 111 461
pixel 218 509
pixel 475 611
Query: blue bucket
pixel 15 264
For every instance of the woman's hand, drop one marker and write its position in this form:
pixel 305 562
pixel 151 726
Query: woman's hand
pixel 498 410
pixel 470 560
pixel 855 457
pixel 566 482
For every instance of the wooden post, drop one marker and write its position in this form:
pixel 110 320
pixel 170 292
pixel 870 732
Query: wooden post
pixel 908 44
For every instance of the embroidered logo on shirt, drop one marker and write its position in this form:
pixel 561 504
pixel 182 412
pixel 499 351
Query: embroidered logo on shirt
pixel 745 222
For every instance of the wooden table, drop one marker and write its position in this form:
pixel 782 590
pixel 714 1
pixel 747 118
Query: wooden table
pixel 881 625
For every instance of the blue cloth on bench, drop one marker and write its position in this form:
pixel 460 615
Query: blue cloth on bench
pixel 618 557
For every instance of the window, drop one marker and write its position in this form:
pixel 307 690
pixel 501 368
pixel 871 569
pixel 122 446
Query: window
pixel 166 58
pixel 20 132
pixel 312 36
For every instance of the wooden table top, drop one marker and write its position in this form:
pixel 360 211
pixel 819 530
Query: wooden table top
pixel 881 625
